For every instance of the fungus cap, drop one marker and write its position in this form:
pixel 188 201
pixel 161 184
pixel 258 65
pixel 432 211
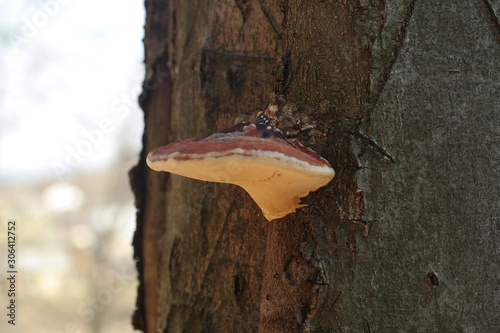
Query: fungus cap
pixel 274 171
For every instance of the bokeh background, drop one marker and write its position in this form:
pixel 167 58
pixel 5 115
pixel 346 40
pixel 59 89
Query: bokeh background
pixel 70 129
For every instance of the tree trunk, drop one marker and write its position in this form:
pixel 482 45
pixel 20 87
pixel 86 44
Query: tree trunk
pixel 400 96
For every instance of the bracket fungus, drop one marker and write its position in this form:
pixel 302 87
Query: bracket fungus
pixel 275 172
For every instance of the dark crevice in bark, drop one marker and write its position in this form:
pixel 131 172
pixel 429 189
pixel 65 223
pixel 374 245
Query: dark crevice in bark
pixel 270 18
pixel 137 182
pixel 156 82
pixel 393 54
pixel 157 79
pixel 369 142
pixel 491 18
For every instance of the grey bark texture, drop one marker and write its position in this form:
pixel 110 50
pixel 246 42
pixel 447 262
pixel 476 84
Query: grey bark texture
pixel 401 96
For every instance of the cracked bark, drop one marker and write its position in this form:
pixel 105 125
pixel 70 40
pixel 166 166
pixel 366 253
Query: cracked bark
pixel 401 98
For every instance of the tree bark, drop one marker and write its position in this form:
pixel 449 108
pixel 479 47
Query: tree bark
pixel 400 96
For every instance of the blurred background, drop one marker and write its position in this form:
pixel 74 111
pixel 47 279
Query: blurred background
pixel 70 129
